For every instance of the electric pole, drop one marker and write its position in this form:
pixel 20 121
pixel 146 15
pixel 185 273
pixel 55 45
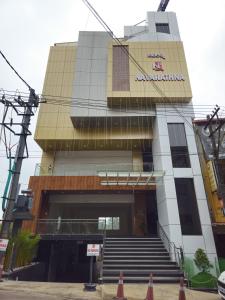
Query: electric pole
pixel 27 107
pixel 216 151
pixel 8 214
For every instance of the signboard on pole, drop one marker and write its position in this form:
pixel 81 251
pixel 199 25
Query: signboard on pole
pixel 93 250
pixel 3 244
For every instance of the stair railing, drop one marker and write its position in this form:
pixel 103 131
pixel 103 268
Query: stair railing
pixel 102 254
pixel 176 253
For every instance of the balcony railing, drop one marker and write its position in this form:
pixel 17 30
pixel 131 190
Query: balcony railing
pixel 71 226
pixel 90 169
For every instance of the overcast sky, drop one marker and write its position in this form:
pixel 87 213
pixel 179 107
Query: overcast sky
pixel 29 27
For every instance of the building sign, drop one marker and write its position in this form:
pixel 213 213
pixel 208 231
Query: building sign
pixel 93 250
pixel 212 178
pixel 163 77
pixel 3 245
pixel 157 66
pixel 156 55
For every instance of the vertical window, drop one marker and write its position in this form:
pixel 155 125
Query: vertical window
pixel 178 145
pixel 120 71
pixel 147 161
pixel 162 27
pixel 187 205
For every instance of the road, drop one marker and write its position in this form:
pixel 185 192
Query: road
pixel 8 295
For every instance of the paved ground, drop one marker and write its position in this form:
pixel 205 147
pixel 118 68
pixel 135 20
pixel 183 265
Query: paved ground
pixel 70 291
pixel 8 295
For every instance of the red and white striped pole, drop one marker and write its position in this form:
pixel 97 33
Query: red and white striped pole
pixel 182 290
pixel 120 291
pixel 150 295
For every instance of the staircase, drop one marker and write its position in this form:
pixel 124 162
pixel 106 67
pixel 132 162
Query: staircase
pixel 137 257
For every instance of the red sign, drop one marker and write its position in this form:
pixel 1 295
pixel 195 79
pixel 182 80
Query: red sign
pixel 157 66
pixel 93 250
pixel 3 244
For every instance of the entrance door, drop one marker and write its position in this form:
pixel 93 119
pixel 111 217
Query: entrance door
pixel 151 213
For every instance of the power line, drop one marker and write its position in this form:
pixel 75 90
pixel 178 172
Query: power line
pixel 21 78
pixel 110 32
pixel 68 99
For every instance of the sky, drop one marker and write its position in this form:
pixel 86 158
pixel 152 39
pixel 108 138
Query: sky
pixel 29 27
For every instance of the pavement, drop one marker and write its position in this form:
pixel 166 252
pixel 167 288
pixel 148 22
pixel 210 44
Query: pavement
pixel 10 290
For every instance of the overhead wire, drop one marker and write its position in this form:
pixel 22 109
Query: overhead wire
pixel 133 60
pixel 10 65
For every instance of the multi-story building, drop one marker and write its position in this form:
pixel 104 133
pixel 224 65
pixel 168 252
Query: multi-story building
pixel 210 176
pixel 118 144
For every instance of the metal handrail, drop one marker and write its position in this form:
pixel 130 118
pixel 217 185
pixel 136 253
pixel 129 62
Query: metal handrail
pixel 176 253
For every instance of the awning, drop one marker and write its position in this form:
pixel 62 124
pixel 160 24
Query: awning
pixel 130 178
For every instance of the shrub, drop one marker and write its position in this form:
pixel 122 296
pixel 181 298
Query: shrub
pixel 25 245
pixel 201 260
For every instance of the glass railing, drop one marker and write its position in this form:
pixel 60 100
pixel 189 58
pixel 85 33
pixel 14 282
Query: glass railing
pixel 71 226
pixel 90 169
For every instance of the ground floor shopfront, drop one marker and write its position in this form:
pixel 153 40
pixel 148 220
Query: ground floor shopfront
pixel 121 210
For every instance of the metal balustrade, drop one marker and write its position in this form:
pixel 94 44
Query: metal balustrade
pixel 70 226
pixel 176 253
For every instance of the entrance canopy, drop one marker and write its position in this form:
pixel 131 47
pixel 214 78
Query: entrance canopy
pixel 130 178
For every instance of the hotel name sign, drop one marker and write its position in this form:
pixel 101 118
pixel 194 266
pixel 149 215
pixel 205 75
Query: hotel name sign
pixel 158 66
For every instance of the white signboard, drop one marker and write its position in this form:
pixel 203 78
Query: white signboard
pixel 3 244
pixel 160 77
pixel 93 250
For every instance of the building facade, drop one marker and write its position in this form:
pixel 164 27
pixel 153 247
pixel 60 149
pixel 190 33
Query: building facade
pixel 117 137
pixel 211 180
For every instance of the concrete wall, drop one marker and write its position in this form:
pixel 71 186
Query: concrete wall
pixel 90 80
pixel 166 193
pixel 148 33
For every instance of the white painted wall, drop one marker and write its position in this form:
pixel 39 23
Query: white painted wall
pixel 148 33
pixel 166 193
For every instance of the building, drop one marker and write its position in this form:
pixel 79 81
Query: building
pixel 210 178
pixel 118 145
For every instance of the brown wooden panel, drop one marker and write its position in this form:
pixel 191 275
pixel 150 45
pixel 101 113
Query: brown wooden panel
pixel 39 184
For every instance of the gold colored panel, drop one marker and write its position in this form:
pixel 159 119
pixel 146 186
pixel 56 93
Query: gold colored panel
pixel 174 63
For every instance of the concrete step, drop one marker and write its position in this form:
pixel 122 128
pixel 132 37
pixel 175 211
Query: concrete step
pixel 150 257
pixel 131 250
pixel 141 279
pixel 135 247
pixel 142 272
pixel 135 253
pixel 133 238
pixel 139 261
pixel 144 266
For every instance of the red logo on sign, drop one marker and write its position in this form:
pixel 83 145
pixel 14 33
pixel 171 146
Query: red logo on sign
pixel 157 66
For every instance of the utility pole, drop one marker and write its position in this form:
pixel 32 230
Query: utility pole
pixel 28 106
pixel 216 150
pixel 8 215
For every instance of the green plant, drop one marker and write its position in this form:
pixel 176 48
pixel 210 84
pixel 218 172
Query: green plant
pixel 201 260
pixel 203 280
pixel 25 246
pixel 188 267
pixel 221 261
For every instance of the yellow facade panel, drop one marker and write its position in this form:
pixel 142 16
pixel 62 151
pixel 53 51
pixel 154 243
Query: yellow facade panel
pixel 173 77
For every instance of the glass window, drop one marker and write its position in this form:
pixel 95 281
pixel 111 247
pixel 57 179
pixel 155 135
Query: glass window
pixel 178 145
pixel 180 157
pixel 109 223
pixel 162 27
pixel 187 205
